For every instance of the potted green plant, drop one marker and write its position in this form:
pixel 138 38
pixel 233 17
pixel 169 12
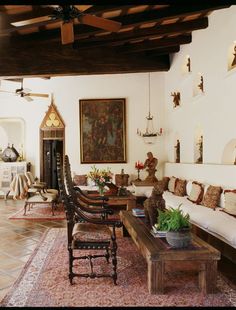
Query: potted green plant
pixel 177 226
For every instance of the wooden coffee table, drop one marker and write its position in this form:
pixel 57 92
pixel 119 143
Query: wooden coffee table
pixel 161 257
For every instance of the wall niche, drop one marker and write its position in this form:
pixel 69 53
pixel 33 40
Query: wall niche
pixel 198 85
pixel 229 153
pixel 198 145
pixel 232 56
pixel 186 66
pixel 12 132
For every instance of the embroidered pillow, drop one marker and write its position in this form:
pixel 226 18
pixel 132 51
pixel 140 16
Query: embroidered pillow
pixel 211 198
pixel 196 192
pixel 172 184
pixel 80 179
pixel 180 188
pixel 230 201
pixel 189 187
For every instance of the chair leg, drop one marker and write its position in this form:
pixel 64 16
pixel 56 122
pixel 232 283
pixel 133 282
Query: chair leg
pixel 25 207
pixel 113 257
pixel 70 266
pixel 107 255
pixel 53 205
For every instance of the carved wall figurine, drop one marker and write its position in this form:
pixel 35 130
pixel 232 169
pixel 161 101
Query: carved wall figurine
pixel 234 60
pixel 176 98
pixel 200 85
pixel 188 64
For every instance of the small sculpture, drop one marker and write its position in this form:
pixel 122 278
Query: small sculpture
pixel 153 203
pixel 188 64
pixel 176 98
pixel 234 60
pixel 200 143
pixel 122 190
pixel 177 157
pixel 151 163
pixel 200 85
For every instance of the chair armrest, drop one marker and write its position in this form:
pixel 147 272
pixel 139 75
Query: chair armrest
pixel 97 198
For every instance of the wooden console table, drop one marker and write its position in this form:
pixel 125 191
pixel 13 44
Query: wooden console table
pixel 160 256
pixel 129 201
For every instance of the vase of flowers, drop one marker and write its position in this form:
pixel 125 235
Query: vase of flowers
pixel 100 177
pixel 139 166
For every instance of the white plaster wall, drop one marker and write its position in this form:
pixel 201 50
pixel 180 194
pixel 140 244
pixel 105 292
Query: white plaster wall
pixel 67 93
pixel 214 111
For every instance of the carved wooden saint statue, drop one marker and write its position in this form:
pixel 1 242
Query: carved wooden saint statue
pixel 151 163
pixel 176 98
pixel 177 156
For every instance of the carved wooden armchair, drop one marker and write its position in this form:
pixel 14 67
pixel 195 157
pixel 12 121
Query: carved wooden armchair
pixel 84 200
pixel 93 234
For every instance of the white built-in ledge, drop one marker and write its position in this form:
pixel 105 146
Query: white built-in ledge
pixel 214 174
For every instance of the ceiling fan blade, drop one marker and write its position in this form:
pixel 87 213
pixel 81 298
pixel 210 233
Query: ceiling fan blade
pixel 37 95
pixel 31 21
pixel 27 98
pixel 99 22
pixel 83 8
pixel 67 32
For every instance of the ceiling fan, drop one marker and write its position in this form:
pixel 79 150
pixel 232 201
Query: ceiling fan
pixel 24 92
pixel 68 14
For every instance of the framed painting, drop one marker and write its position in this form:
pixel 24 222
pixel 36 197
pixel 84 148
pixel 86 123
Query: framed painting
pixel 102 130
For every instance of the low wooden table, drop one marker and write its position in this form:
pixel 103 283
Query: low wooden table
pixel 160 256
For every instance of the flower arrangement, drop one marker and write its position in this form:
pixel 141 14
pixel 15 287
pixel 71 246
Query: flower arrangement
pixel 100 177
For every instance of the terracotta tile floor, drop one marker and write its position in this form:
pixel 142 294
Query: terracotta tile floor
pixel 18 239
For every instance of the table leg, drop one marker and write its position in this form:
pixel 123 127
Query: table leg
pixel 208 277
pixel 131 203
pixel 156 277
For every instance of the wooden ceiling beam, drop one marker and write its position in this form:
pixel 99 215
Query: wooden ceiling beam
pixel 173 11
pixel 155 51
pixel 164 30
pixel 154 44
pixel 63 60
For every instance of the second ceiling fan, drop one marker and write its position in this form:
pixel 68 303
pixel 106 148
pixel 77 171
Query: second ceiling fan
pixel 68 14
pixel 24 92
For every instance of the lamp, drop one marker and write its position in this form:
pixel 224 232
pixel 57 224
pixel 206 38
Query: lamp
pixel 150 135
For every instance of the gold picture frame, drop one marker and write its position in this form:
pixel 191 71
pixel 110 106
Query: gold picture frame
pixel 103 130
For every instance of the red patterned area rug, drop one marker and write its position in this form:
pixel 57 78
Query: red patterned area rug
pixel 44 282
pixel 40 212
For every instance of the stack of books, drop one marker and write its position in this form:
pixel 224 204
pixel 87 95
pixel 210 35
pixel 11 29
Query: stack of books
pixel 138 212
pixel 158 233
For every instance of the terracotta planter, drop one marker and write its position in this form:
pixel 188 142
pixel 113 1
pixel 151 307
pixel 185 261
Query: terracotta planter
pixel 179 239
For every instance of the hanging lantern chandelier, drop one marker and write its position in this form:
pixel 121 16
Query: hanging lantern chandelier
pixel 150 135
